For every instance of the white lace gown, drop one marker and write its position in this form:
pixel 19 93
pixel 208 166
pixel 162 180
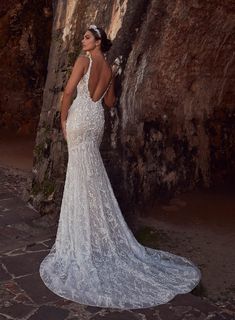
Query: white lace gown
pixel 96 259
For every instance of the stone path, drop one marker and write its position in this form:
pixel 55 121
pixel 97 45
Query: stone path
pixel 26 239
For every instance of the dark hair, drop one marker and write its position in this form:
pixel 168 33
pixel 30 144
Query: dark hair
pixel 106 44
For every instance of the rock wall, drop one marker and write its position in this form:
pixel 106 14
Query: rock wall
pixel 172 129
pixel 178 125
pixel 25 32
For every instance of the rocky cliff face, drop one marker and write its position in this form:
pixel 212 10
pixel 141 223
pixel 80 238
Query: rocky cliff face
pixel 25 32
pixel 172 128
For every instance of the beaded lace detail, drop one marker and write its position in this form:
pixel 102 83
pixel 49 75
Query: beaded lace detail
pixel 96 259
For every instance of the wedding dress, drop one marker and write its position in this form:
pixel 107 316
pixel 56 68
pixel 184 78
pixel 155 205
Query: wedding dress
pixel 96 259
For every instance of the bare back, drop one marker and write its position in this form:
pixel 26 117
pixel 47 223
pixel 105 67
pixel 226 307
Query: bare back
pixel 100 76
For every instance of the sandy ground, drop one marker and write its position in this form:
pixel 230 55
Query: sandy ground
pixel 199 225
pixel 16 151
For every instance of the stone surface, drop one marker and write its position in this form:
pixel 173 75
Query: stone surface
pixel 168 314
pixel 17 310
pixel 23 264
pixel 124 315
pixel 35 288
pixel 4 275
pixel 36 247
pixel 50 313
pixel 193 301
pixel 149 313
pixel 93 309
pixel 12 287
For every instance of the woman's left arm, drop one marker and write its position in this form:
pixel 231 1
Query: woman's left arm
pixel 75 77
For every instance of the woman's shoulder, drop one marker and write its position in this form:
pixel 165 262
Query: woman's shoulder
pixel 82 60
pixel 83 57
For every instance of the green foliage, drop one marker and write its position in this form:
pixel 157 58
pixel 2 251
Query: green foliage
pixel 38 151
pixel 41 149
pixel 48 187
pixel 36 189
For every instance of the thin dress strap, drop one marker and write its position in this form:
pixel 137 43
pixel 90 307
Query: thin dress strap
pixel 89 67
pixel 88 77
pixel 107 88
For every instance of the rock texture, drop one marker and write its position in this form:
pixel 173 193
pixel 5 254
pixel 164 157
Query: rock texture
pixel 172 128
pixel 25 30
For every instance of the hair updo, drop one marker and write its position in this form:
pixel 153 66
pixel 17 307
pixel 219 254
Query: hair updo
pixel 106 44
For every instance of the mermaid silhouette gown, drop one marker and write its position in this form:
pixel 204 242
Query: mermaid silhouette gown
pixel 96 259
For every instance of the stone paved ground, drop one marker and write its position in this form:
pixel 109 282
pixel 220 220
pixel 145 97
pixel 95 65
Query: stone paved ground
pixel 26 239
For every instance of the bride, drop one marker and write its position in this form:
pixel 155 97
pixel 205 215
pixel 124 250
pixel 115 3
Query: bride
pixel 96 259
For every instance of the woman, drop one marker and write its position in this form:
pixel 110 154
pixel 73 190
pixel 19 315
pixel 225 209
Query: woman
pixel 96 259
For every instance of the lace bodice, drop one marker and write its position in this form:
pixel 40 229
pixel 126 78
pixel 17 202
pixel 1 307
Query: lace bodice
pixel 85 115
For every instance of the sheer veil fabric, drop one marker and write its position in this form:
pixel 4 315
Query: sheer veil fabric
pixel 96 259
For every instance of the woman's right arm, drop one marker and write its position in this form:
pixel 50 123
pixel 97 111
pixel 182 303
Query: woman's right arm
pixel 75 77
pixel 110 98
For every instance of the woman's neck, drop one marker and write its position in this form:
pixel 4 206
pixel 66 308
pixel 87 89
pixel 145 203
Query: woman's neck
pixel 95 55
